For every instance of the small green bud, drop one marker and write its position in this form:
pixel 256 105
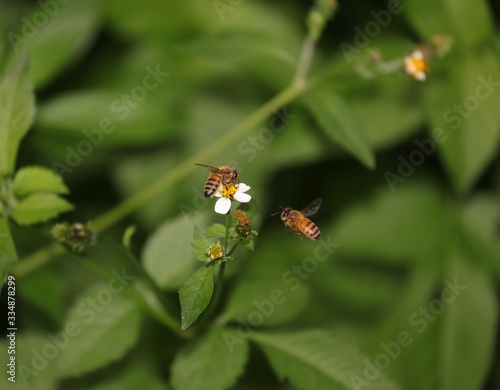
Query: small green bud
pixel 318 16
pixel 76 236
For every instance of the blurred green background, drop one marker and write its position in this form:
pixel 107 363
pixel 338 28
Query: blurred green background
pixel 406 231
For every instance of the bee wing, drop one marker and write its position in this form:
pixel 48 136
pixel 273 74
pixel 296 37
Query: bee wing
pixel 312 208
pixel 209 167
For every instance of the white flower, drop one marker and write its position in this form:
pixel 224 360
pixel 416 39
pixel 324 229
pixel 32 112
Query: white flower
pixel 416 65
pixel 228 194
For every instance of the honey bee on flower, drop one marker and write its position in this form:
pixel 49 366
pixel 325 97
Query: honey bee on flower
pixel 221 176
pixel 416 65
pixel 223 183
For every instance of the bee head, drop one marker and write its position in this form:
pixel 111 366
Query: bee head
pixel 285 213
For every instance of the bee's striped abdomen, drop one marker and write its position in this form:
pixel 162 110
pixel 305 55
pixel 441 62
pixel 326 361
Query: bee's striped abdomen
pixel 310 229
pixel 211 186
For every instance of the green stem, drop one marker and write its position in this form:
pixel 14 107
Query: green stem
pixel 219 284
pixel 226 238
pixel 164 318
pixel 37 259
pixel 230 252
pixel 305 59
pixel 114 215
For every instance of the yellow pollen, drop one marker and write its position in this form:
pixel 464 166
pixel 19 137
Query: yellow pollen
pixel 229 191
pixel 420 64
pixel 215 252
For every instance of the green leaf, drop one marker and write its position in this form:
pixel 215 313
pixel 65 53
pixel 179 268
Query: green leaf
pixel 216 230
pixel 479 228
pixel 53 300
pixel 167 254
pixel 134 173
pixel 102 326
pixel 133 377
pixel 38 179
pixel 198 235
pixel 379 228
pixel 248 243
pixel 3 42
pixel 405 330
pixel 154 19
pixel 195 295
pixel 465 356
pixel 259 54
pixel 260 302
pixel 340 124
pixel 245 47
pixel 17 108
pixel 469 23
pixel 105 119
pixel 213 362
pixel 350 282
pixel 463 106
pixel 482 215
pixel 389 107
pixel 33 371
pixel 200 244
pixel 8 255
pixel 67 33
pixel 39 208
pixel 316 359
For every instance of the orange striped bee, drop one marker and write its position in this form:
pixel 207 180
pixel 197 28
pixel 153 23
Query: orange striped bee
pixel 223 175
pixel 298 222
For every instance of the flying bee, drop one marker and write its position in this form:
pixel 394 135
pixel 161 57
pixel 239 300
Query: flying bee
pixel 299 222
pixel 223 175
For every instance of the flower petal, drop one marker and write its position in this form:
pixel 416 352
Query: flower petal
pixel 242 187
pixel 421 76
pixel 217 193
pixel 222 206
pixel 241 197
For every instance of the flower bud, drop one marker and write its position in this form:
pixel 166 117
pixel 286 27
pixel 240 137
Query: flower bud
pixel 242 224
pixel 318 16
pixel 76 235
pixel 215 252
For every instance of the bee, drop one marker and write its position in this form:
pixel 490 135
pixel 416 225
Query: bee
pixel 299 222
pixel 223 175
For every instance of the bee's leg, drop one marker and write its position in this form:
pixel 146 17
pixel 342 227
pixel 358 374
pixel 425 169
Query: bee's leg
pixel 297 230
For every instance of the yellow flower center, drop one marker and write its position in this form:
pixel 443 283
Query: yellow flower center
pixel 416 65
pixel 215 252
pixel 228 191
pixel 420 64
